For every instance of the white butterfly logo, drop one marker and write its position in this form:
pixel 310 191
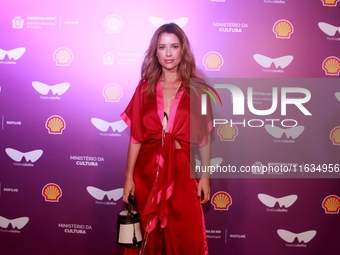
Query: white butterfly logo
pixel 290 236
pixel 18 155
pixel 43 88
pixel 328 29
pixel 270 201
pixel 18 223
pixel 337 95
pixel 157 22
pixel 277 132
pixel 12 54
pixel 99 194
pixel 104 126
pixel 266 62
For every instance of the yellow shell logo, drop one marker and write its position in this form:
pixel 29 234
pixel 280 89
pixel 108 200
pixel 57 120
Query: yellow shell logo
pixel 112 92
pixel 330 3
pixel 113 23
pixel 331 204
pixel 221 201
pixel 212 61
pixel 283 29
pixel 335 135
pixel 55 125
pixel 51 192
pixel 63 56
pixel 227 132
pixel 331 65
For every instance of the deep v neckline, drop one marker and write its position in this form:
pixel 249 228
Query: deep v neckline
pixel 173 106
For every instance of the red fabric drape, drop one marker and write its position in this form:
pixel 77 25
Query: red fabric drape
pixel 167 199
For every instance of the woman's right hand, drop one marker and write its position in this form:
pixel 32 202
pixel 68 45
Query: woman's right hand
pixel 129 188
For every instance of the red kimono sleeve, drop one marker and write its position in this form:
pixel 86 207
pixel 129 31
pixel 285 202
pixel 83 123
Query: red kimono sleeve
pixel 201 124
pixel 133 115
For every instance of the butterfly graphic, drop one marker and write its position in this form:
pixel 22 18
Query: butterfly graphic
pixel 99 194
pixel 266 62
pixel 18 223
pixel 277 132
pixel 43 88
pixel 157 22
pixel 18 155
pixel 270 201
pixel 290 236
pixel 104 126
pixel 328 29
pixel 12 54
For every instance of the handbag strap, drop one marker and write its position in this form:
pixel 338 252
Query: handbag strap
pixel 132 202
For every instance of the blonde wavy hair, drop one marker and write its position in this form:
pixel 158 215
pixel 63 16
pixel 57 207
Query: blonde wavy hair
pixel 152 70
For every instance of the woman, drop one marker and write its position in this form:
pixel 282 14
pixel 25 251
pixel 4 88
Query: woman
pixel 158 166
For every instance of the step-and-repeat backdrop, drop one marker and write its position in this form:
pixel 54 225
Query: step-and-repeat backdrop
pixel 69 68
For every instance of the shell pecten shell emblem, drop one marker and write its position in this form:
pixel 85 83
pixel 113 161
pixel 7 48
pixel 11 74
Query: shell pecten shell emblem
pixel 212 61
pixel 335 135
pixel 113 23
pixel 63 56
pixel 112 92
pixel 331 65
pixel 330 3
pixel 331 204
pixel 51 192
pixel 55 125
pixel 221 201
pixel 227 132
pixel 283 29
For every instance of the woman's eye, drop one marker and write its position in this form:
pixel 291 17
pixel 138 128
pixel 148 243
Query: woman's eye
pixel 161 47
pixel 175 46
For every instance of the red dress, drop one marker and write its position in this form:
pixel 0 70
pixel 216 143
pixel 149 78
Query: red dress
pixel 166 195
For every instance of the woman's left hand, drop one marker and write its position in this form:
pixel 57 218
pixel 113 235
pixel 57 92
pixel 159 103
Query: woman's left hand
pixel 204 189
